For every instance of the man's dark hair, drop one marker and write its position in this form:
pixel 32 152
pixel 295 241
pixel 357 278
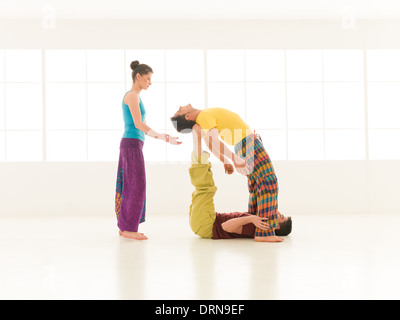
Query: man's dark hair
pixel 182 125
pixel 284 228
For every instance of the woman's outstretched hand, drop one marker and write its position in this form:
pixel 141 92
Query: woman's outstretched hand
pixel 167 138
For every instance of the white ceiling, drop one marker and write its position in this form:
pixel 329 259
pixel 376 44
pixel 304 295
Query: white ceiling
pixel 200 9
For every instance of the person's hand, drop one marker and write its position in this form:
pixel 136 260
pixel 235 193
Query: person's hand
pixel 260 223
pixel 167 138
pixel 174 140
pixel 269 239
pixel 162 136
pixel 228 168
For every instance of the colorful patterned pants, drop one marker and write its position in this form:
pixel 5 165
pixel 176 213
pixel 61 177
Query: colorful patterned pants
pixel 262 182
pixel 130 196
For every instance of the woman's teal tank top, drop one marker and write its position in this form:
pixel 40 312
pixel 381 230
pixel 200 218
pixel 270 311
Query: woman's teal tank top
pixel 130 130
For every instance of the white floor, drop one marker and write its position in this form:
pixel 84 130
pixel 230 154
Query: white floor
pixel 326 257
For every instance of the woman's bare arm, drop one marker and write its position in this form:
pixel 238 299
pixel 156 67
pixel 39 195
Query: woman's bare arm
pixel 132 100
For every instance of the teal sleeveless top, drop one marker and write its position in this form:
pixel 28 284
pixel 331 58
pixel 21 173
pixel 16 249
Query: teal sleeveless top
pixel 130 130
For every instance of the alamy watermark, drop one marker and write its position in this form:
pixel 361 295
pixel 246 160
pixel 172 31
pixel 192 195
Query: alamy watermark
pixel 48 21
pixel 349 17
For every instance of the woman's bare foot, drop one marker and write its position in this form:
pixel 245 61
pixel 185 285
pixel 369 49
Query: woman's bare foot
pixel 132 235
pixel 268 239
pixel 120 232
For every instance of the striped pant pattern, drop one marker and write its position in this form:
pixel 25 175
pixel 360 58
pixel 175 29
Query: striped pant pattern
pixel 262 182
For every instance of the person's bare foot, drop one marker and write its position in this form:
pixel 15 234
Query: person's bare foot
pixel 132 235
pixel 268 239
pixel 120 233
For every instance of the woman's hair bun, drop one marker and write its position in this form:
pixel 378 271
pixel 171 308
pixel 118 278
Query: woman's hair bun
pixel 134 64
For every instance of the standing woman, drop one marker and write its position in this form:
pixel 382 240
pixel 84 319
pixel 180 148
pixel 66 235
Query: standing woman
pixel 130 198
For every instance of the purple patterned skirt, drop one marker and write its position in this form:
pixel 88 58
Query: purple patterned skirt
pixel 130 197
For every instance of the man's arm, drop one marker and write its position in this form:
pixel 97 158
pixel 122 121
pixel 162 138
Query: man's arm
pixel 197 140
pixel 236 225
pixel 220 150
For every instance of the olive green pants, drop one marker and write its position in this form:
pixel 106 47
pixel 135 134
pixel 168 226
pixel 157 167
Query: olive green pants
pixel 202 210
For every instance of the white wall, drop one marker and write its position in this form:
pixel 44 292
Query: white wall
pixel 318 187
pixel 127 34
pixel 305 186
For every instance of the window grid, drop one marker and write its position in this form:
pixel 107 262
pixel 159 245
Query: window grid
pixel 323 105
pixel 366 115
pixel 3 157
pixel 286 110
pixel 44 102
pixel 26 137
pixel 205 82
pixel 3 131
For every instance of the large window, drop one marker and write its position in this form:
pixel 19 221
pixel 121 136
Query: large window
pixel 325 105
pixel 83 90
pixel 65 105
pixel 21 105
pixel 384 103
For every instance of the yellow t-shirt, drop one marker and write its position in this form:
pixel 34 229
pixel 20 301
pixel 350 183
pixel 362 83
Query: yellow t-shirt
pixel 232 129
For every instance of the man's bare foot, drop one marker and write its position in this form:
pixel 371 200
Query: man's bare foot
pixel 133 235
pixel 268 239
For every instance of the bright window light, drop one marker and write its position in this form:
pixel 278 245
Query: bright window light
pixel 225 65
pixel 2 66
pixel 230 96
pixel 105 66
pixel 65 66
pixel 265 65
pixel 184 65
pixel 23 65
pixel 304 65
pixel 66 106
pixel 344 145
pixel 343 65
pixel 105 105
pixel 24 146
pixel 24 106
pixel 344 105
pixel 181 94
pixel 266 105
pixel 155 59
pixel 383 65
pixel 154 103
pixel 66 146
pixel 384 144
pixel 104 145
pixel 274 142
pixel 305 105
pixel 182 152
pixel 384 105
pixel 2 108
pixel 2 146
pixel 306 145
pixel 156 150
